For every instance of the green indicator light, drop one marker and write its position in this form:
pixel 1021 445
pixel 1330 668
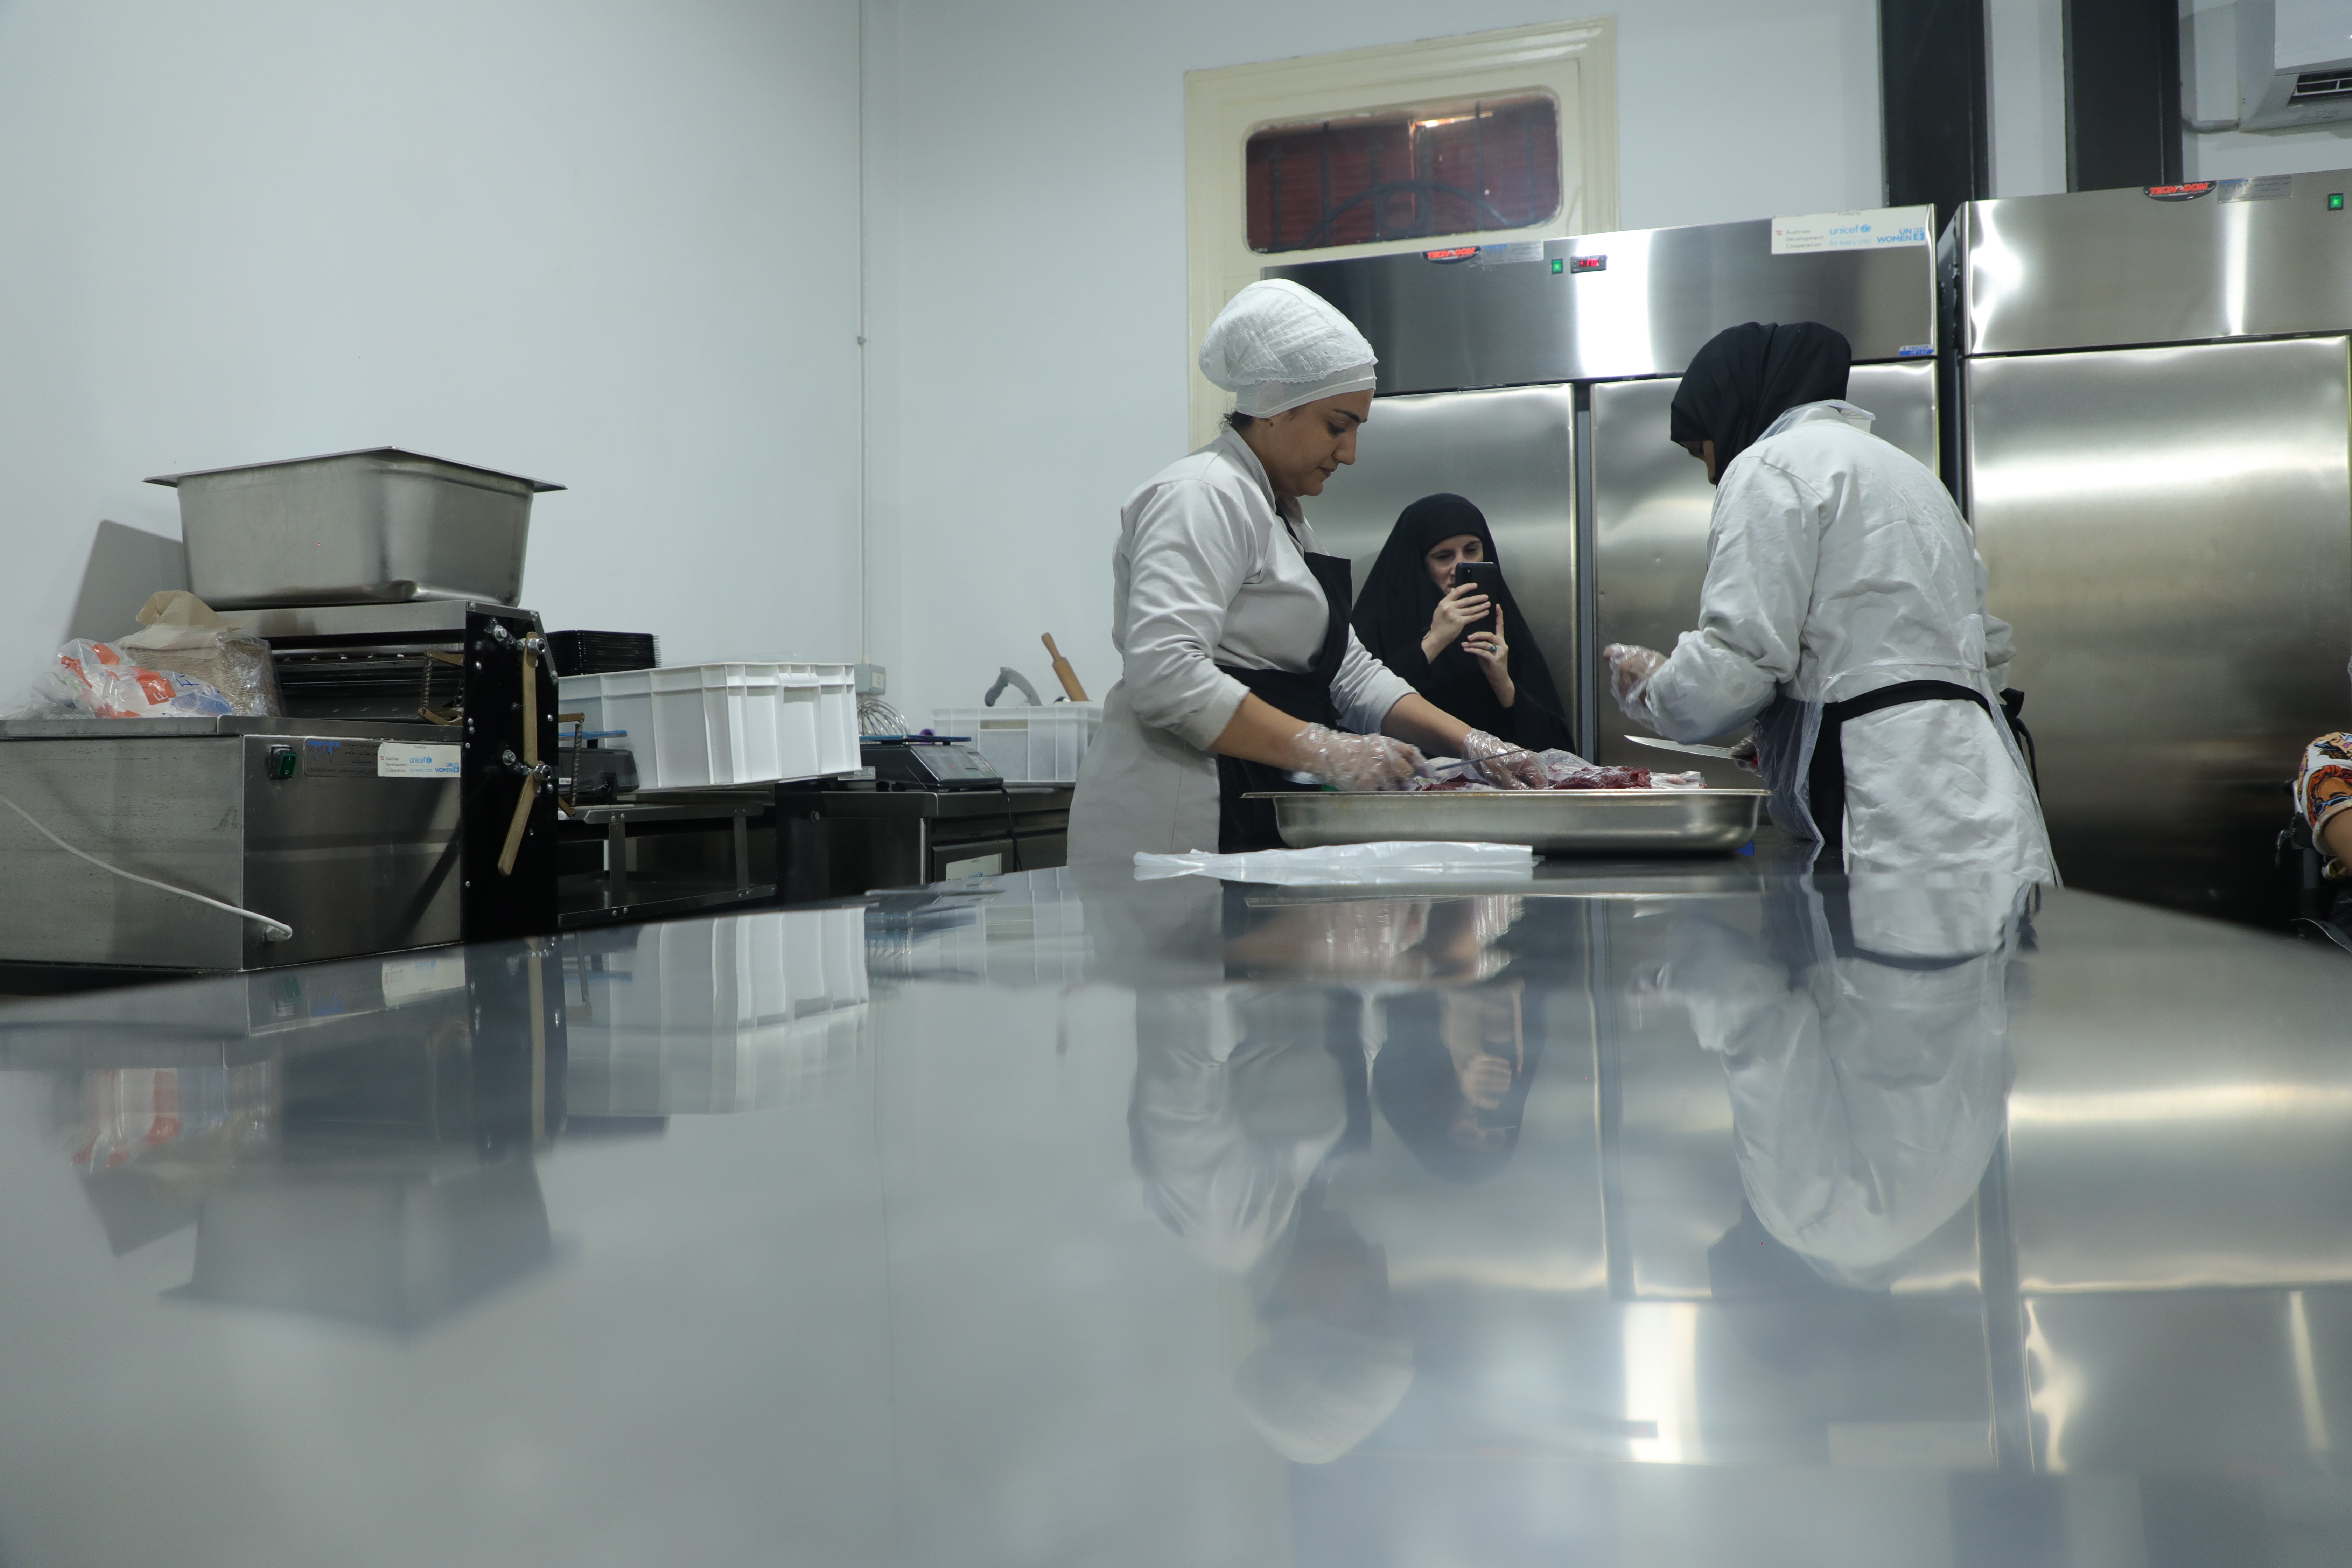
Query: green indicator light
pixel 2335 201
pixel 1559 265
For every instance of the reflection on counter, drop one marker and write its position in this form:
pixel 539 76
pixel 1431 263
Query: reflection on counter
pixel 363 1150
pixel 1642 1217
pixel 1799 1246
pixel 731 1013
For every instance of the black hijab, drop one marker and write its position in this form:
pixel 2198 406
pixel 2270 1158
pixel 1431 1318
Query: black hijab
pixel 1748 376
pixel 1393 611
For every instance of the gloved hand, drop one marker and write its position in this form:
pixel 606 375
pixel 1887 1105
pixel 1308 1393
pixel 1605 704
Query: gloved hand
pixel 1354 762
pixel 1521 769
pixel 1744 754
pixel 1630 669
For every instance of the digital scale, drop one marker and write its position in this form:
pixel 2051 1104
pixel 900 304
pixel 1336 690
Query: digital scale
pixel 926 762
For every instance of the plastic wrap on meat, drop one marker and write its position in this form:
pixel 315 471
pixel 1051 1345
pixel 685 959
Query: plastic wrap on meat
pixel 1579 776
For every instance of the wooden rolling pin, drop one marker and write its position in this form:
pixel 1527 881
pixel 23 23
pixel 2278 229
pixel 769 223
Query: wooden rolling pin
pixel 1063 672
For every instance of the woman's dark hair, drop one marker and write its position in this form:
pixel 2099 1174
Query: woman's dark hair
pixel 1239 421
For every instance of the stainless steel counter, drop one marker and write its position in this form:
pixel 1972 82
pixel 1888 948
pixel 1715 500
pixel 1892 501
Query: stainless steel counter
pixel 1640 1213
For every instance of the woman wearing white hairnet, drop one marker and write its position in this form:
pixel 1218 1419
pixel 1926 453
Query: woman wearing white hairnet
pixel 1843 610
pixel 1238 665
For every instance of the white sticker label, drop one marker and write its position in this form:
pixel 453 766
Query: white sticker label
pixel 400 760
pixel 407 979
pixel 2261 188
pixel 1877 230
pixel 1517 250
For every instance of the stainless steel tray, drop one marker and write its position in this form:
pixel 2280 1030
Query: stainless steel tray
pixel 384 526
pixel 1551 822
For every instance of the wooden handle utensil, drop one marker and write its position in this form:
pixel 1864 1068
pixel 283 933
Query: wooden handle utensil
pixel 1063 672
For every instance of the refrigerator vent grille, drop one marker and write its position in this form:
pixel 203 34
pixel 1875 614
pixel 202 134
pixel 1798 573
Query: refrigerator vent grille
pixel 2312 85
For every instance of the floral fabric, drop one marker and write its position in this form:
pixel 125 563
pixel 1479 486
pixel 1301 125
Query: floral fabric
pixel 2323 789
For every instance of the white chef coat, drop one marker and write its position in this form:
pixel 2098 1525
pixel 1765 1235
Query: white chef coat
pixel 1836 565
pixel 1867 1091
pixel 1237 1108
pixel 1206 573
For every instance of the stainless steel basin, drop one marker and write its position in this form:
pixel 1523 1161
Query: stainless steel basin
pixel 1551 822
pixel 354 528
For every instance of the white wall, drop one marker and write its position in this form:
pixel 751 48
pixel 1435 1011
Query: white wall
pixel 1030 352
pixel 609 243
pixel 2025 86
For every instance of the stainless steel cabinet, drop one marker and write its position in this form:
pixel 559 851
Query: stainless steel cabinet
pixel 300 826
pixel 1510 451
pixel 2170 531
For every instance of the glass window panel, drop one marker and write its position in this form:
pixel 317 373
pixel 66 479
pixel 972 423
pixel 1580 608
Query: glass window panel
pixel 1417 172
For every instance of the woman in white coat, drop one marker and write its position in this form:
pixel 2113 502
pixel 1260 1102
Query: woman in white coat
pixel 1238 665
pixel 1843 610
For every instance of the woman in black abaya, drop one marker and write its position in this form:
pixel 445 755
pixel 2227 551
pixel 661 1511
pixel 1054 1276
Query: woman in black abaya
pixel 1414 619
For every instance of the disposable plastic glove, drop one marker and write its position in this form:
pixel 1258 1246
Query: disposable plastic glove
pixel 1521 769
pixel 1358 763
pixel 1630 669
pixel 1744 754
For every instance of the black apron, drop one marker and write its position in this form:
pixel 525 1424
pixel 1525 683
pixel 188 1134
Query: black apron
pixel 1825 782
pixel 1247 825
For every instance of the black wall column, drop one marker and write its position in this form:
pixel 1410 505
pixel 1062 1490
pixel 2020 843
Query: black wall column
pixel 1931 96
pixel 2123 94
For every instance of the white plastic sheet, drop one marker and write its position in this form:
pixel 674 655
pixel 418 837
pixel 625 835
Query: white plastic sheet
pixel 1398 861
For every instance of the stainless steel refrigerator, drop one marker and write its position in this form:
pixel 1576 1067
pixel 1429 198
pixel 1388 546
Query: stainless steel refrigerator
pixel 2153 425
pixel 1535 380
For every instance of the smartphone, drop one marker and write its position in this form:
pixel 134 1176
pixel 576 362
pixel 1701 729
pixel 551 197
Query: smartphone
pixel 1489 577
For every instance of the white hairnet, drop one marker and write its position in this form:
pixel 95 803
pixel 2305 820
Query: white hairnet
pixel 1277 345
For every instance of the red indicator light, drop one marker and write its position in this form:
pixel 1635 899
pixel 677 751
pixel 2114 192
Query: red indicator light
pixel 1588 264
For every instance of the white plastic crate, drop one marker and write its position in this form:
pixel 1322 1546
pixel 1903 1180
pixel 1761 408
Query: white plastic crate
pixel 1043 744
pixel 698 725
pixel 836 713
pixel 737 1012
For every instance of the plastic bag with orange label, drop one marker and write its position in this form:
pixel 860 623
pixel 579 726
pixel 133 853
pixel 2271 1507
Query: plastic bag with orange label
pixel 95 677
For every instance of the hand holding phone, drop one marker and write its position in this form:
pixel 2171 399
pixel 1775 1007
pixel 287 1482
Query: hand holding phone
pixel 1484 577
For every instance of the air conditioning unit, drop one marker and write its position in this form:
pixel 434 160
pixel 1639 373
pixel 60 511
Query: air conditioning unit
pixel 2294 63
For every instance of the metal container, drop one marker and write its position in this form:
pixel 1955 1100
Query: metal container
pixel 307 822
pixel 381 526
pixel 1551 822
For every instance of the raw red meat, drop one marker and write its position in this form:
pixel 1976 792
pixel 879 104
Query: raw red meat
pixel 1606 778
pixel 1584 778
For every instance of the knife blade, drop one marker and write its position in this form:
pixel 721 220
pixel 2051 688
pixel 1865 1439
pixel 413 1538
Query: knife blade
pixel 1723 753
